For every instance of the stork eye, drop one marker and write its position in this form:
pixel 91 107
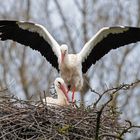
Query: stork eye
pixel 59 83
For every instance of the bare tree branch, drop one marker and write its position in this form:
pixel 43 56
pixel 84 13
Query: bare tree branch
pixel 65 25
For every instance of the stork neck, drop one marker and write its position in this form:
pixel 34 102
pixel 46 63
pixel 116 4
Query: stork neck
pixel 60 94
pixel 65 59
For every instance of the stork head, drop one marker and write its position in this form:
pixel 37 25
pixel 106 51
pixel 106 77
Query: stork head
pixel 64 51
pixel 60 86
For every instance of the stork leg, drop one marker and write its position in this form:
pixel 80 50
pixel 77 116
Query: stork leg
pixel 67 95
pixel 73 91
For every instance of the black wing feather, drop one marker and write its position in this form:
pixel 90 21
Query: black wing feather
pixel 11 30
pixel 111 41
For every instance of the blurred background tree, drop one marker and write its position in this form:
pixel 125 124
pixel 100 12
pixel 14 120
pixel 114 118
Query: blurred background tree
pixel 74 22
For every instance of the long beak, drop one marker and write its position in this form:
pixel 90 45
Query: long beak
pixel 64 89
pixel 62 57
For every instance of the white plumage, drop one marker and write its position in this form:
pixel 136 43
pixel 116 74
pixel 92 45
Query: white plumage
pixel 61 91
pixel 71 66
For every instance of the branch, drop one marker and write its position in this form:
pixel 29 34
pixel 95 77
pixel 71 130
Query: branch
pixel 110 135
pixel 114 90
pixel 99 113
pixel 65 25
pixel 128 128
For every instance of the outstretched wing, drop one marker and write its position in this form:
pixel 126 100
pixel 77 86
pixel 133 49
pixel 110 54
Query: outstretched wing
pixel 106 39
pixel 33 35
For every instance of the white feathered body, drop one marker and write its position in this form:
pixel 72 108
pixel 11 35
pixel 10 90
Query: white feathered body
pixel 70 71
pixel 52 101
pixel 61 100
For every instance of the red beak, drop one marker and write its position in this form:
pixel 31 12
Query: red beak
pixel 64 89
pixel 62 57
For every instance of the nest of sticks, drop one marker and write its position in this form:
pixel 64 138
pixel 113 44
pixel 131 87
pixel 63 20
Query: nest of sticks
pixel 26 120
pixel 23 120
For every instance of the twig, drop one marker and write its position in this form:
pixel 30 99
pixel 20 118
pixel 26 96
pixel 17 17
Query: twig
pixel 99 118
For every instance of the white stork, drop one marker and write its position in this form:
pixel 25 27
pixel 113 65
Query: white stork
pixel 61 91
pixel 71 66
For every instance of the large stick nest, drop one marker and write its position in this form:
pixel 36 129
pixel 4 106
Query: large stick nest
pixel 22 120
pixel 27 120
